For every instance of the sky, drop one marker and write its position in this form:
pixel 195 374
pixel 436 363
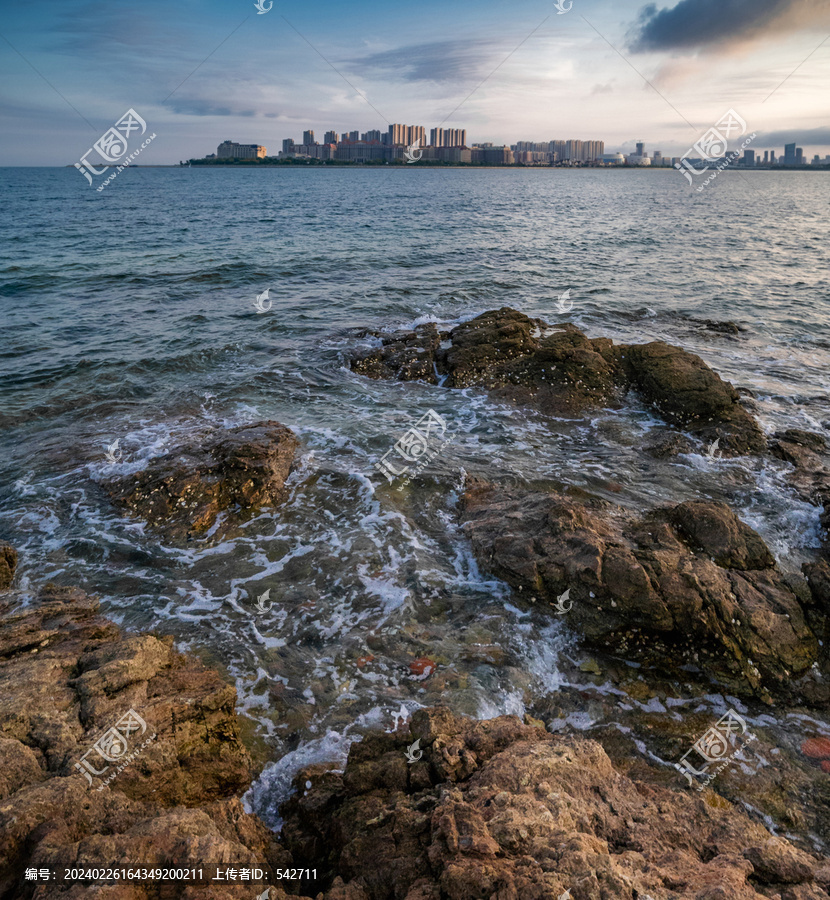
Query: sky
pixel 203 71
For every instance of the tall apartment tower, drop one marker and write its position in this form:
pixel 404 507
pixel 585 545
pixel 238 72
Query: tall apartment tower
pixel 573 150
pixel 330 138
pixel 789 154
pixel 407 134
pixel 448 137
pixel 308 138
pixel 641 148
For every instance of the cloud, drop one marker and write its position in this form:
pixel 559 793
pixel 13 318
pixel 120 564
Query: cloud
pixel 194 106
pixel 438 61
pixel 703 24
pixel 804 137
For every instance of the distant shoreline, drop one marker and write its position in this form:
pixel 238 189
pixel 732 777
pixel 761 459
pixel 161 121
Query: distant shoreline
pixel 427 165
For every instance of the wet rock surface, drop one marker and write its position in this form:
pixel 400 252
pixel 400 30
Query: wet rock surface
pixel 689 585
pixel 563 372
pixel 8 564
pixel 488 809
pixel 499 809
pixel 225 472
pixel 68 676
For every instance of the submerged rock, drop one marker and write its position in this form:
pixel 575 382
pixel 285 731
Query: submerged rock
pixel 500 809
pixel 563 372
pixel 690 585
pixel 231 472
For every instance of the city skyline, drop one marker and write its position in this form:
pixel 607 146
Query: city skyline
pixel 371 146
pixel 190 69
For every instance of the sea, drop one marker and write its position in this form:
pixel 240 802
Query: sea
pixel 130 315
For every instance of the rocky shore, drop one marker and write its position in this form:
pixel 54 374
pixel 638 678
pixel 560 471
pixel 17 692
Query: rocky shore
pixel 118 750
pixel 498 808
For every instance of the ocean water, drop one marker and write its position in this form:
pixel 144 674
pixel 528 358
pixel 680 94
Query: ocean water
pixel 129 314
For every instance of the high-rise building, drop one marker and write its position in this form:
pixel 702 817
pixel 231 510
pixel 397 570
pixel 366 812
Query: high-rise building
pixel 789 154
pixel 772 157
pixel 354 135
pixel 799 156
pixel 449 137
pixel 370 136
pixel 308 138
pixel 407 135
pixel 232 150
pixel 288 145
pixel 766 157
pixel 641 148
pixel 592 150
pixel 749 158
pixel 330 138
pixel 573 151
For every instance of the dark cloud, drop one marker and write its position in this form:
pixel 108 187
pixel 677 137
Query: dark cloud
pixel 696 24
pixel 804 137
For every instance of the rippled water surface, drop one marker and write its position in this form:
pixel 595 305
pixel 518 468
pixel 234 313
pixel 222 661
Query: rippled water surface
pixel 130 314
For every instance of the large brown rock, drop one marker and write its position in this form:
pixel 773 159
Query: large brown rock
pixel 230 472
pixel 562 372
pixel 690 585
pixel 499 809
pixel 8 564
pixel 688 393
pixel 67 675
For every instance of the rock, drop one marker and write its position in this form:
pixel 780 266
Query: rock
pixel 816 748
pixel 8 564
pixel 818 577
pixel 721 327
pixel 562 372
pixel 407 356
pixel 69 676
pixel 690 585
pixel 688 393
pixel 667 445
pixel 715 530
pixel 233 471
pixel 500 809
